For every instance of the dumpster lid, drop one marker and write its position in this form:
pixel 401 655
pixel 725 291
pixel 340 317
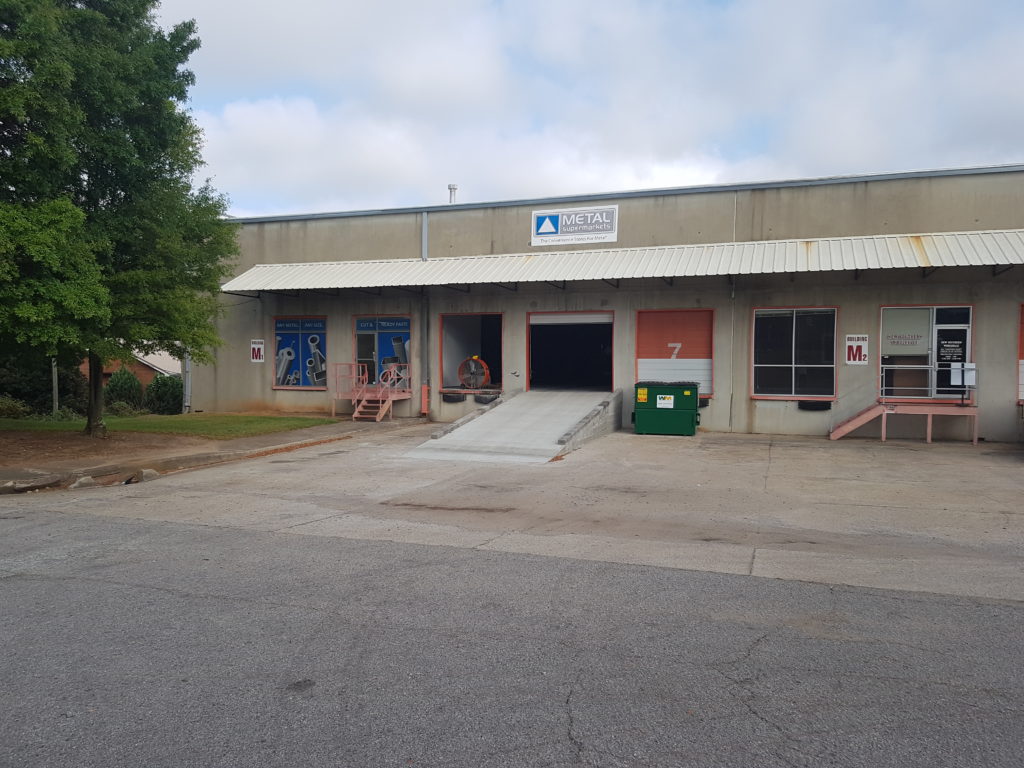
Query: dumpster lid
pixel 691 384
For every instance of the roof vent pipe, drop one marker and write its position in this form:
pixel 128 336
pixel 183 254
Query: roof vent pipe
pixel 452 189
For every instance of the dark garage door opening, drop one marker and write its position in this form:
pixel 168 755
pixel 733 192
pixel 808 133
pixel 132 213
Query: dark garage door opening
pixel 571 356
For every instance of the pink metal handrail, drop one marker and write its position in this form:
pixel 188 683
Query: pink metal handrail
pixel 393 381
pixel 350 381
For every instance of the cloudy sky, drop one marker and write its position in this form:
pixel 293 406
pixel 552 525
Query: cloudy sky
pixel 326 105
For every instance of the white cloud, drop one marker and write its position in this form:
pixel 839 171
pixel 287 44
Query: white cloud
pixel 317 105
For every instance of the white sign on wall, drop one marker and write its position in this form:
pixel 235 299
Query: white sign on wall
pixel 256 351
pixel 857 349
pixel 568 226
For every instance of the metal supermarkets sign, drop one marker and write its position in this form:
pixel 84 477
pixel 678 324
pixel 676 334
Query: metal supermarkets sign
pixel 571 226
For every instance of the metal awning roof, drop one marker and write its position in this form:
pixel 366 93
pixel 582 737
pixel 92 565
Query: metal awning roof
pixel 955 249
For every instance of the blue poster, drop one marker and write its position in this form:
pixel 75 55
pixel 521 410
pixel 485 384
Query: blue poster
pixel 300 358
pixel 391 336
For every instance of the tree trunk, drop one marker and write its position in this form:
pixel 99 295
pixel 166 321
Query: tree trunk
pixel 94 426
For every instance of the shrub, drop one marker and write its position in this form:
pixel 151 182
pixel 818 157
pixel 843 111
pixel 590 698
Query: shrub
pixel 62 414
pixel 65 414
pixel 164 395
pixel 121 408
pixel 123 387
pixel 13 408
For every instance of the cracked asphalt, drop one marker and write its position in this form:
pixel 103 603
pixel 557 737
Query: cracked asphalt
pixel 339 606
pixel 141 643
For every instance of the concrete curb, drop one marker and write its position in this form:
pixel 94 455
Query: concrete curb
pixel 591 426
pixel 449 428
pixel 148 469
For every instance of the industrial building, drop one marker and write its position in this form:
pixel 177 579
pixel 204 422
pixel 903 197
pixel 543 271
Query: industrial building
pixel 843 305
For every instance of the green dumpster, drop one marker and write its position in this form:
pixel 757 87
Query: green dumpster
pixel 666 408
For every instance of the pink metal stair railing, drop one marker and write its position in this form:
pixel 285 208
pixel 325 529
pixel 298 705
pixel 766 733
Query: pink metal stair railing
pixel 371 402
pixel 897 401
pixel 349 384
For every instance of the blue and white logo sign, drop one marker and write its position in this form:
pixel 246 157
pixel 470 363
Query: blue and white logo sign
pixel 569 226
pixel 546 225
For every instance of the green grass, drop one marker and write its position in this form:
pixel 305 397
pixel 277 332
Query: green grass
pixel 219 426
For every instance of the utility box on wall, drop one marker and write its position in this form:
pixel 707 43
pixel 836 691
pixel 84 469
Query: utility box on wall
pixel 666 407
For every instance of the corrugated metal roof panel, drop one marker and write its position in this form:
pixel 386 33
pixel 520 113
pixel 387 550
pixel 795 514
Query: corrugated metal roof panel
pixel 958 249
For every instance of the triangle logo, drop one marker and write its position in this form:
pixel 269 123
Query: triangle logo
pixel 546 225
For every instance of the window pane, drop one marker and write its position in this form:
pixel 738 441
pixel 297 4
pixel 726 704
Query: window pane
pixel 906 331
pixel 773 380
pixel 953 316
pixel 815 381
pixel 815 337
pixel 773 337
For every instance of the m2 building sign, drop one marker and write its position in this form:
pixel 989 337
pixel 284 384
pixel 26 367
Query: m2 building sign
pixel 572 226
pixel 857 349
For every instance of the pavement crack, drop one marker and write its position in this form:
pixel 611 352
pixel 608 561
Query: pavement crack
pixel 570 728
pixel 768 467
pixel 489 541
pixel 310 522
pixel 742 690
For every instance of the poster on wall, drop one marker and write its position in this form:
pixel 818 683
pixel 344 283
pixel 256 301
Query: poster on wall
pixel 390 340
pixel 300 357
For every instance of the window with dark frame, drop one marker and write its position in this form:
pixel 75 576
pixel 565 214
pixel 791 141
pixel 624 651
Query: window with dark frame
pixel 794 352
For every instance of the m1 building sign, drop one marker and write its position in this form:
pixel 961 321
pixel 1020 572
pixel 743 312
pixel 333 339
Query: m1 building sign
pixel 857 349
pixel 572 226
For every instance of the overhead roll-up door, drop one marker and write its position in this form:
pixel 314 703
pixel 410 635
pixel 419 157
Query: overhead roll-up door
pixel 1020 357
pixel 570 318
pixel 675 345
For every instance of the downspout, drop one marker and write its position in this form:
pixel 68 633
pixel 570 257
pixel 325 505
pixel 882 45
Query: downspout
pixel 424 320
pixel 186 377
pixel 732 348
pixel 732 319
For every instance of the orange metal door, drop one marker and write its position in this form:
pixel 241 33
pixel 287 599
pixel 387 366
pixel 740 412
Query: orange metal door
pixel 675 345
pixel 1020 357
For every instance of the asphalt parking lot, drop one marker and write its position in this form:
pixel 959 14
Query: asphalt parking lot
pixel 944 517
pixel 642 602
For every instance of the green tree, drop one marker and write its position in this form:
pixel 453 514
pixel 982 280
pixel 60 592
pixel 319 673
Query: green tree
pixel 107 247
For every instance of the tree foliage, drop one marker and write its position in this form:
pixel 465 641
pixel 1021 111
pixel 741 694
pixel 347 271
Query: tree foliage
pixel 51 288
pixel 106 247
pixel 28 376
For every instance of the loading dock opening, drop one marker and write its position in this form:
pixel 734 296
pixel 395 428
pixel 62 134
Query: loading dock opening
pixel 571 350
pixel 470 335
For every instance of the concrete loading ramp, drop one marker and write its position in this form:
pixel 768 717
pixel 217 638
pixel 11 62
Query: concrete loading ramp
pixel 533 426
